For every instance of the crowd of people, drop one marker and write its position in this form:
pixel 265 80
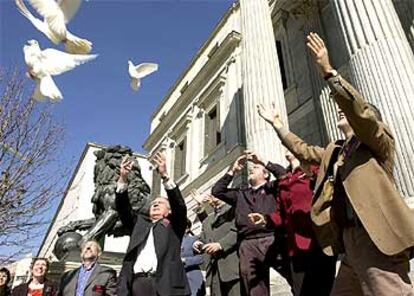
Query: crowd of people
pixel 335 200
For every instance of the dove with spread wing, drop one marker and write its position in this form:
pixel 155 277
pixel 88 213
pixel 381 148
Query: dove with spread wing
pixel 43 64
pixel 138 72
pixel 55 17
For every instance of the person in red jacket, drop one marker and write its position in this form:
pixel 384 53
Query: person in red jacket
pixel 313 272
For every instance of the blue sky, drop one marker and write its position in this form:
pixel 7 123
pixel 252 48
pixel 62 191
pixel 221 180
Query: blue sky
pixel 98 104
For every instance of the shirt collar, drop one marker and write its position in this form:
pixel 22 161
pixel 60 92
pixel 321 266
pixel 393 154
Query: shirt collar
pixel 92 266
pixel 258 186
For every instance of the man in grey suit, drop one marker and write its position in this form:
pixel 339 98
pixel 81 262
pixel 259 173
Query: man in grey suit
pixel 218 241
pixel 91 278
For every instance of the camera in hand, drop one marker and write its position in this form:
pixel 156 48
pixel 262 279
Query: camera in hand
pixel 201 248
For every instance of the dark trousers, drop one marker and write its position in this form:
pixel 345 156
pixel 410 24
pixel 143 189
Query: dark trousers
pixel 257 255
pixel 144 286
pixel 231 288
pixel 313 273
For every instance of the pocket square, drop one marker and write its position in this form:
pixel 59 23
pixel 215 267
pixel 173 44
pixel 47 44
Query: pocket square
pixel 98 288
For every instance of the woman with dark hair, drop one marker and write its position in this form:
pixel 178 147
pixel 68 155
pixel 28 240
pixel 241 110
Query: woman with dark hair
pixel 38 284
pixel 192 262
pixel 4 282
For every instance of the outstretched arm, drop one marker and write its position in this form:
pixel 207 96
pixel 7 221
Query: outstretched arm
pixel 368 128
pixel 122 203
pixel 178 208
pixel 221 190
pixel 302 150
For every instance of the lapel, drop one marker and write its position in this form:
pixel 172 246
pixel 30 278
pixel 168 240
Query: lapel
pixel 73 281
pixel 140 232
pixel 327 164
pixel 94 274
pixel 218 219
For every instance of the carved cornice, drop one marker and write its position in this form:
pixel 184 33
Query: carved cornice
pixel 304 9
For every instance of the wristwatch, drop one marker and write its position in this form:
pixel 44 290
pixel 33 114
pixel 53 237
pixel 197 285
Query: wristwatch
pixel 332 73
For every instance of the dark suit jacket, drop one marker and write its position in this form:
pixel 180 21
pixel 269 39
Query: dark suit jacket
pixel 101 282
pixel 170 275
pixel 49 289
pixel 221 228
pixel 245 202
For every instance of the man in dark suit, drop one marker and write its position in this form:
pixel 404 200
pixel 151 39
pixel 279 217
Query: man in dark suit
pixel 90 278
pixel 218 240
pixel 152 265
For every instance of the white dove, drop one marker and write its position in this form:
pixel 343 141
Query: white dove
pixel 56 15
pixel 43 64
pixel 140 71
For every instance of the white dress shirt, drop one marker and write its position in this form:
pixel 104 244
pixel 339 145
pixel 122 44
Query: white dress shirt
pixel 147 258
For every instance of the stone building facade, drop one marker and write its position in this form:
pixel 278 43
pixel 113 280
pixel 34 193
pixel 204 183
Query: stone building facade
pixel 208 117
pixel 257 54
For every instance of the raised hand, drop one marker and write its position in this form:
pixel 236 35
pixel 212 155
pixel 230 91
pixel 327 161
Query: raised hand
pixel 161 164
pixel 239 164
pixel 194 194
pixel 257 219
pixel 253 157
pixel 319 52
pixel 271 115
pixel 126 166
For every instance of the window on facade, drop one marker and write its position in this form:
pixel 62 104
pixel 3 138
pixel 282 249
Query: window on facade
pixel 156 183
pixel 281 64
pixel 180 159
pixel 212 131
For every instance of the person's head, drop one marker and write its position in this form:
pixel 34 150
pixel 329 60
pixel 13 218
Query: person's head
pixel 90 251
pixel 344 125
pixel 39 267
pixel 159 208
pixel 258 174
pixel 4 277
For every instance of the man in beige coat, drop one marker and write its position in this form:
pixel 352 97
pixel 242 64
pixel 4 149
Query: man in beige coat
pixel 356 208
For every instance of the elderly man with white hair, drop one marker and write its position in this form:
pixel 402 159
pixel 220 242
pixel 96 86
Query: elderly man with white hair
pixel 152 265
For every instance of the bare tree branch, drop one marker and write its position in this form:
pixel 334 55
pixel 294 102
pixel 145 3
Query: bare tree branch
pixel 31 173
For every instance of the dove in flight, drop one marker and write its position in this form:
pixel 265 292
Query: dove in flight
pixel 55 17
pixel 138 72
pixel 43 64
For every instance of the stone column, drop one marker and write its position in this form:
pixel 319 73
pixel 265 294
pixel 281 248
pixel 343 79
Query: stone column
pixel 405 10
pixel 261 78
pixel 381 67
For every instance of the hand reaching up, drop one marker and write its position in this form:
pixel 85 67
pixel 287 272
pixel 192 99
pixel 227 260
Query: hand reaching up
pixel 160 161
pixel 126 166
pixel 319 52
pixel 194 194
pixel 238 164
pixel 271 115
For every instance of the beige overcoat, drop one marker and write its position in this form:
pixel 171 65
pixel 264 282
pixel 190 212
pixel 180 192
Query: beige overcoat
pixel 366 175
